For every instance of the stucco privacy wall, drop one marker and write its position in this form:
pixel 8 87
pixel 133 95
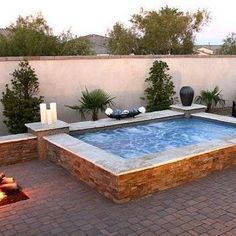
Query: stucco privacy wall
pixel 63 78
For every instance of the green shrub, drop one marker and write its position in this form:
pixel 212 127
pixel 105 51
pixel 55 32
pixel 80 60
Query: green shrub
pixel 160 91
pixel 21 105
pixel 210 98
pixel 93 102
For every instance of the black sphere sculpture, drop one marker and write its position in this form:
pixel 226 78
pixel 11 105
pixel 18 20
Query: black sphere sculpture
pixel 186 95
pixel 121 114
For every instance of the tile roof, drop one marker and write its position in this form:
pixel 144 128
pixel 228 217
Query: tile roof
pixel 98 43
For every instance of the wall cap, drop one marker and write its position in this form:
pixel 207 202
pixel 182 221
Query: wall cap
pixel 16 138
pixel 46 58
pixel 39 127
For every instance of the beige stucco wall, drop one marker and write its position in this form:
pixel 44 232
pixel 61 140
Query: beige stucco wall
pixel 63 78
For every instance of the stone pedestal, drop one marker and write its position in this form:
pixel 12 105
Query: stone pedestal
pixel 40 130
pixel 188 110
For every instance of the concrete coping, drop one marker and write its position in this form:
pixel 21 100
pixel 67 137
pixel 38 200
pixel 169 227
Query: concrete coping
pixel 39 127
pixel 109 122
pixel 16 138
pixel 118 165
pixel 188 108
pixel 211 116
pixel 95 57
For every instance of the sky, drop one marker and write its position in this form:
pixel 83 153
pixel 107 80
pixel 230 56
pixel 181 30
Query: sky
pixel 97 16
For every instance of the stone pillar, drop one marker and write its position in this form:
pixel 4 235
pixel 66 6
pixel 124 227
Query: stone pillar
pixel 40 130
pixel 188 110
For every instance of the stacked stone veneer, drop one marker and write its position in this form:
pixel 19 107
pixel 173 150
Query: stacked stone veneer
pixel 125 186
pixel 102 180
pixel 17 148
pixel 143 182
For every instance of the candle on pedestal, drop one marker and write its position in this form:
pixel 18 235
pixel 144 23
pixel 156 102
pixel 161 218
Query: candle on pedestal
pixel 53 107
pixel 43 114
pixel 49 116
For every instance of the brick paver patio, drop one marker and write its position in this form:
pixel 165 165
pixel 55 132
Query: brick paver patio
pixel 60 205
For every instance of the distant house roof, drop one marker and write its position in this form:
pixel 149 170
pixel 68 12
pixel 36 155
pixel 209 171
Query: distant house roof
pixel 207 49
pixel 98 43
pixel 5 32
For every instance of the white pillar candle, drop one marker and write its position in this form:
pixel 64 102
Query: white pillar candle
pixel 49 116
pixel 43 114
pixel 53 107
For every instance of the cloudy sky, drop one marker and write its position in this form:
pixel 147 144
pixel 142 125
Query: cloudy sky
pixel 97 16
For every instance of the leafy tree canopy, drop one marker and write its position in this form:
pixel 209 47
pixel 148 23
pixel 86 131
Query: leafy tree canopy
pixel 229 45
pixel 122 41
pixel 71 45
pixel 32 36
pixel 167 31
pixel 37 23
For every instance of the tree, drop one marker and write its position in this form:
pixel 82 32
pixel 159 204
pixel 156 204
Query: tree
pixel 20 102
pixel 4 46
pixel 32 36
pixel 122 41
pixel 29 42
pixel 160 91
pixel 229 45
pixel 77 46
pixel 37 23
pixel 167 31
pixel 71 45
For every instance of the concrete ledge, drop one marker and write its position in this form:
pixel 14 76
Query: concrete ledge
pixel 225 119
pixel 108 122
pixel 39 127
pixel 188 110
pixel 94 57
pixel 107 161
pixel 16 138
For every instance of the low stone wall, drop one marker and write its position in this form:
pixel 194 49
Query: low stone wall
pixel 17 148
pixel 96 177
pixel 143 182
pixel 125 186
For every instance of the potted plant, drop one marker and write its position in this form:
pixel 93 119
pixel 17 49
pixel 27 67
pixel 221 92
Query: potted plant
pixel 91 102
pixel 210 98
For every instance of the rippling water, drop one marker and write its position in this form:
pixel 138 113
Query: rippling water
pixel 140 140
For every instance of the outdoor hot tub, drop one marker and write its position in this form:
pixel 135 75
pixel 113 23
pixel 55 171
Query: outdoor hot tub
pixel 155 137
pixel 134 157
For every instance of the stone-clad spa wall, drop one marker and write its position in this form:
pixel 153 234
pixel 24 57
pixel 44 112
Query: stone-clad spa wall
pixel 63 78
pixel 172 174
pixel 96 177
pixel 17 148
pixel 137 183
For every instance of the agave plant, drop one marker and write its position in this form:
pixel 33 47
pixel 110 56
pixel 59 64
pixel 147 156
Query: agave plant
pixel 210 98
pixel 93 102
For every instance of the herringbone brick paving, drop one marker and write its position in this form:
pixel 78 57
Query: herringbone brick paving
pixel 61 205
